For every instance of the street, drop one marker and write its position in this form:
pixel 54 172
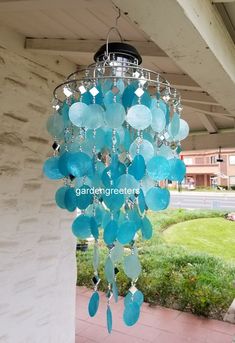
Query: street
pixel 203 200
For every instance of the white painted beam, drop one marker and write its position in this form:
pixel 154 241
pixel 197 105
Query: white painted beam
pixel 196 39
pixel 197 97
pixel 207 122
pixel 207 109
pixel 57 45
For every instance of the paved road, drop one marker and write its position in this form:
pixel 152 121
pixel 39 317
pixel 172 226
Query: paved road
pixel 203 200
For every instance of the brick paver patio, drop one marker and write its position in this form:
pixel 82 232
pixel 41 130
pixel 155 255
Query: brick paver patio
pixel 160 325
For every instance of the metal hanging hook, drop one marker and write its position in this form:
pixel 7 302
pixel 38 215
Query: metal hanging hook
pixel 114 28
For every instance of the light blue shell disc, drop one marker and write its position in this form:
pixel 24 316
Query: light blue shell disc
pixel 114 115
pixel 173 127
pixel 109 270
pixel 183 130
pixel 128 185
pixel 51 168
pixel 117 252
pixel 78 113
pixel 81 226
pixel 137 297
pixel 94 116
pixel 109 319
pixel 177 170
pixel 109 98
pixel 131 314
pixel 55 125
pixel 93 304
pixel 157 198
pixel 158 168
pixel 70 199
pixel 137 167
pixel 146 228
pixel 158 119
pixel 132 266
pixel 146 150
pixel 110 232
pixel 84 197
pixel 113 201
pixel 59 197
pixel 94 228
pixel 126 232
pixel 139 117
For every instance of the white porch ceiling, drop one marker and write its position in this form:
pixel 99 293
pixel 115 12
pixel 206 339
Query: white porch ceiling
pixel 75 29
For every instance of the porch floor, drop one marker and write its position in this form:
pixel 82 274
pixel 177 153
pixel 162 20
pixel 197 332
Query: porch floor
pixel 156 324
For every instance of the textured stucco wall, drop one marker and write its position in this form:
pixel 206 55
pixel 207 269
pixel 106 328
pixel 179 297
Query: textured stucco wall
pixel 37 249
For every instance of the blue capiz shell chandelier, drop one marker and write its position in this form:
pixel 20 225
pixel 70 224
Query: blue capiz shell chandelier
pixel 116 130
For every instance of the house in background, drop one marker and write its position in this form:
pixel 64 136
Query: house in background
pixel 208 168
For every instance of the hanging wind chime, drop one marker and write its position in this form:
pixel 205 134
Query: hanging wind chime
pixel 117 130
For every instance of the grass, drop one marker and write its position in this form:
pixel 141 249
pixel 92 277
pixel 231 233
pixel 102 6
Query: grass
pixel 215 236
pixel 174 275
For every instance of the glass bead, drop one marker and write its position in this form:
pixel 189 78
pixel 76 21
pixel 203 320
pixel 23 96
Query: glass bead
pixel 114 115
pixel 94 117
pixel 139 117
pixel 55 125
pixel 183 130
pixel 70 199
pixel 78 113
pixel 137 167
pixel 51 168
pixel 158 168
pixel 59 197
pixel 109 270
pixel 146 228
pixel 110 232
pixel 177 170
pixel 137 297
pixel 84 197
pixel 158 119
pixel 94 228
pixel 93 304
pixel 113 201
pixel 132 266
pixel 126 232
pixel 117 252
pixel 157 198
pixel 109 319
pixel 145 149
pixel 81 226
pixel 131 314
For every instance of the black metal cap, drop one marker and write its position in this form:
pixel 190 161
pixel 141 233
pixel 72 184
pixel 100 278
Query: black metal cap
pixel 119 49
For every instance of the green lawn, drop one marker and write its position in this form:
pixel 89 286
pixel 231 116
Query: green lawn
pixel 215 236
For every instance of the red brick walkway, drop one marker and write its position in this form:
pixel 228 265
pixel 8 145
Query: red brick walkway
pixel 160 325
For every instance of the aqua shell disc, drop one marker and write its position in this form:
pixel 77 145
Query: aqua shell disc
pixel 79 164
pixel 146 228
pixel 109 319
pixel 81 226
pixel 139 117
pixel 157 198
pixel 63 163
pixel 114 115
pixel 129 94
pixel 146 150
pixel 165 151
pixel 137 167
pixel 131 314
pixel 78 113
pixel 173 127
pixel 177 170
pixel 59 197
pixel 70 199
pixel 158 168
pixel 141 201
pixel 117 252
pixel 51 168
pixel 137 297
pixel 94 228
pixel 113 201
pixel 109 98
pixel 145 99
pixel 110 232
pixel 126 232
pixel 84 197
pixel 127 185
pixel 132 266
pixel 55 125
pixel 93 304
pixel 94 117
